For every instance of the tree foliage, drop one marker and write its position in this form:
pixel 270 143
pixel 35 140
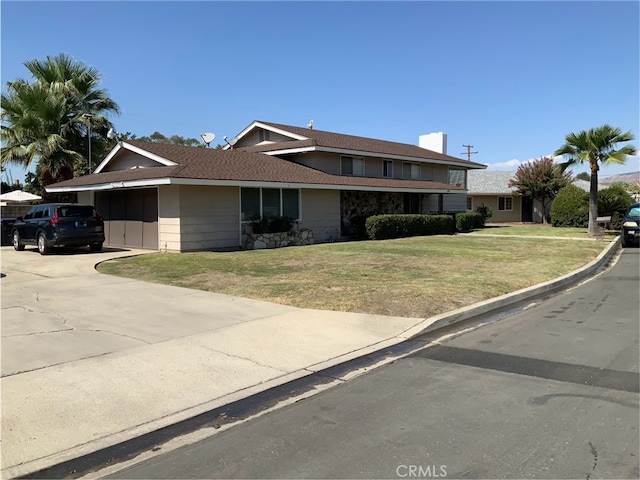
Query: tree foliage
pixel 48 118
pixel 583 176
pixel 570 208
pixel 541 180
pixel 596 146
pixel 157 137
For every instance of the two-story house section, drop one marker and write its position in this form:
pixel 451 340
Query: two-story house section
pixel 435 182
pixel 170 197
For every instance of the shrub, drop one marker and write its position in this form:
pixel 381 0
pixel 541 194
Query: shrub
pixel 382 227
pixel 614 201
pixel 467 221
pixel 272 225
pixel 484 212
pixel 570 208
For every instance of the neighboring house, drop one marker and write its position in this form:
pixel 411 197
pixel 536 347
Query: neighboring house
pixel 178 198
pixel 491 188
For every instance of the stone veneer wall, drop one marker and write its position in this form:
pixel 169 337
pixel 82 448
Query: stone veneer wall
pixel 355 204
pixel 255 241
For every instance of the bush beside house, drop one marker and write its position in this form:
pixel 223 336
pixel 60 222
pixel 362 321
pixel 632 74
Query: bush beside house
pixel 570 208
pixel 614 201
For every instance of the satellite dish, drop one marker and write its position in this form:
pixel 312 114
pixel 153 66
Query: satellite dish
pixel 208 137
pixel 111 134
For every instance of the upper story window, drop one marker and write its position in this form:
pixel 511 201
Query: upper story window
pixel 352 166
pixel 458 176
pixel 411 171
pixel 387 168
pixel 264 135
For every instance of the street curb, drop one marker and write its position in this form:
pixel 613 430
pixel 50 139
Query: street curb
pixel 331 369
pixel 509 299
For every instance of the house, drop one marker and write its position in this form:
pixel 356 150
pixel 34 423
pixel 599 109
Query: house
pixel 170 197
pixel 491 188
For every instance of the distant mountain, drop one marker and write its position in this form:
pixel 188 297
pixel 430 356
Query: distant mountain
pixel 632 177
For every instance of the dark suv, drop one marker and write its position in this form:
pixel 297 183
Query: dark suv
pixel 64 224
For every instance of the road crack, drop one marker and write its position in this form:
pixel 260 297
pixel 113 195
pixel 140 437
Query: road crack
pixel 594 452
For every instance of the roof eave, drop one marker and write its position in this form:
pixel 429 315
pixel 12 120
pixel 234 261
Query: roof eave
pixel 459 163
pixel 246 183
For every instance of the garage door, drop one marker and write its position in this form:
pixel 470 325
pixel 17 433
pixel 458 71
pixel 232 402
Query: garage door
pixel 130 217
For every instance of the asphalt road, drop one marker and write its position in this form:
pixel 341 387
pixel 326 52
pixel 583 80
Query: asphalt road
pixel 549 392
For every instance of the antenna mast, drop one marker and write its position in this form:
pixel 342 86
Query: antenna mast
pixel 468 152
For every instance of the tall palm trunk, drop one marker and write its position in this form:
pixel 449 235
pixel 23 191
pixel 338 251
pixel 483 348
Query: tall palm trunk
pixel 593 200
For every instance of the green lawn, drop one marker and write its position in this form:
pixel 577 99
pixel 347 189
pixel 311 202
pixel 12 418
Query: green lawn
pixel 540 231
pixel 412 277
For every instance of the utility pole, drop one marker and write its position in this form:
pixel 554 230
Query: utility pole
pixel 468 152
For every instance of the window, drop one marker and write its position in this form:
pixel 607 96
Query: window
pixel 290 203
pixel 457 177
pixel 411 170
pixel 269 203
pixel 505 203
pixel 352 166
pixel 387 168
pixel 264 135
pixel 250 203
pixel 412 203
pixel 469 203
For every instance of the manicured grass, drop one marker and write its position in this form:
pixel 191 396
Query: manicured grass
pixel 411 277
pixel 540 231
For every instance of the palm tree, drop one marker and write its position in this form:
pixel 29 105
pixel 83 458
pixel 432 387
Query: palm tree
pixel 595 146
pixel 48 118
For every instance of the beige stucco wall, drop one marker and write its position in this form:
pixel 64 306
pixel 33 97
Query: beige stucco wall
pixel 321 213
pixel 169 217
pixel 209 218
pixel 325 161
pixel 491 201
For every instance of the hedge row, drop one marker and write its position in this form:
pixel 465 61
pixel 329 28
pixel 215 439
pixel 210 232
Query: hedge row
pixel 382 227
pixel 467 221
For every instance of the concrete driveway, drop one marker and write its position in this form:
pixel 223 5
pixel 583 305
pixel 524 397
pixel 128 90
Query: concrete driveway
pixel 90 360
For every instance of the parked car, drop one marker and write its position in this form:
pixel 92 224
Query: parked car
pixel 59 224
pixel 7 225
pixel 631 226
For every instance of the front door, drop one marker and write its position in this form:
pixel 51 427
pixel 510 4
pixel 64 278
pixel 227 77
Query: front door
pixel 527 209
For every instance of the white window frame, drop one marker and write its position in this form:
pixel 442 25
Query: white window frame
pixel 411 169
pixel 353 159
pixel 388 166
pixel 265 135
pixel 505 200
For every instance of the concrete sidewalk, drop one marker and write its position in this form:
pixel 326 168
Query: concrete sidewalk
pixel 120 358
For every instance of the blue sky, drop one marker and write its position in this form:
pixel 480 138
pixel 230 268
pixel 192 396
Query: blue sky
pixel 510 78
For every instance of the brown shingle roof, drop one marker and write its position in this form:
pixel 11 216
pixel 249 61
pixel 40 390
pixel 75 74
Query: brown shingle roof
pixel 341 141
pixel 239 166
